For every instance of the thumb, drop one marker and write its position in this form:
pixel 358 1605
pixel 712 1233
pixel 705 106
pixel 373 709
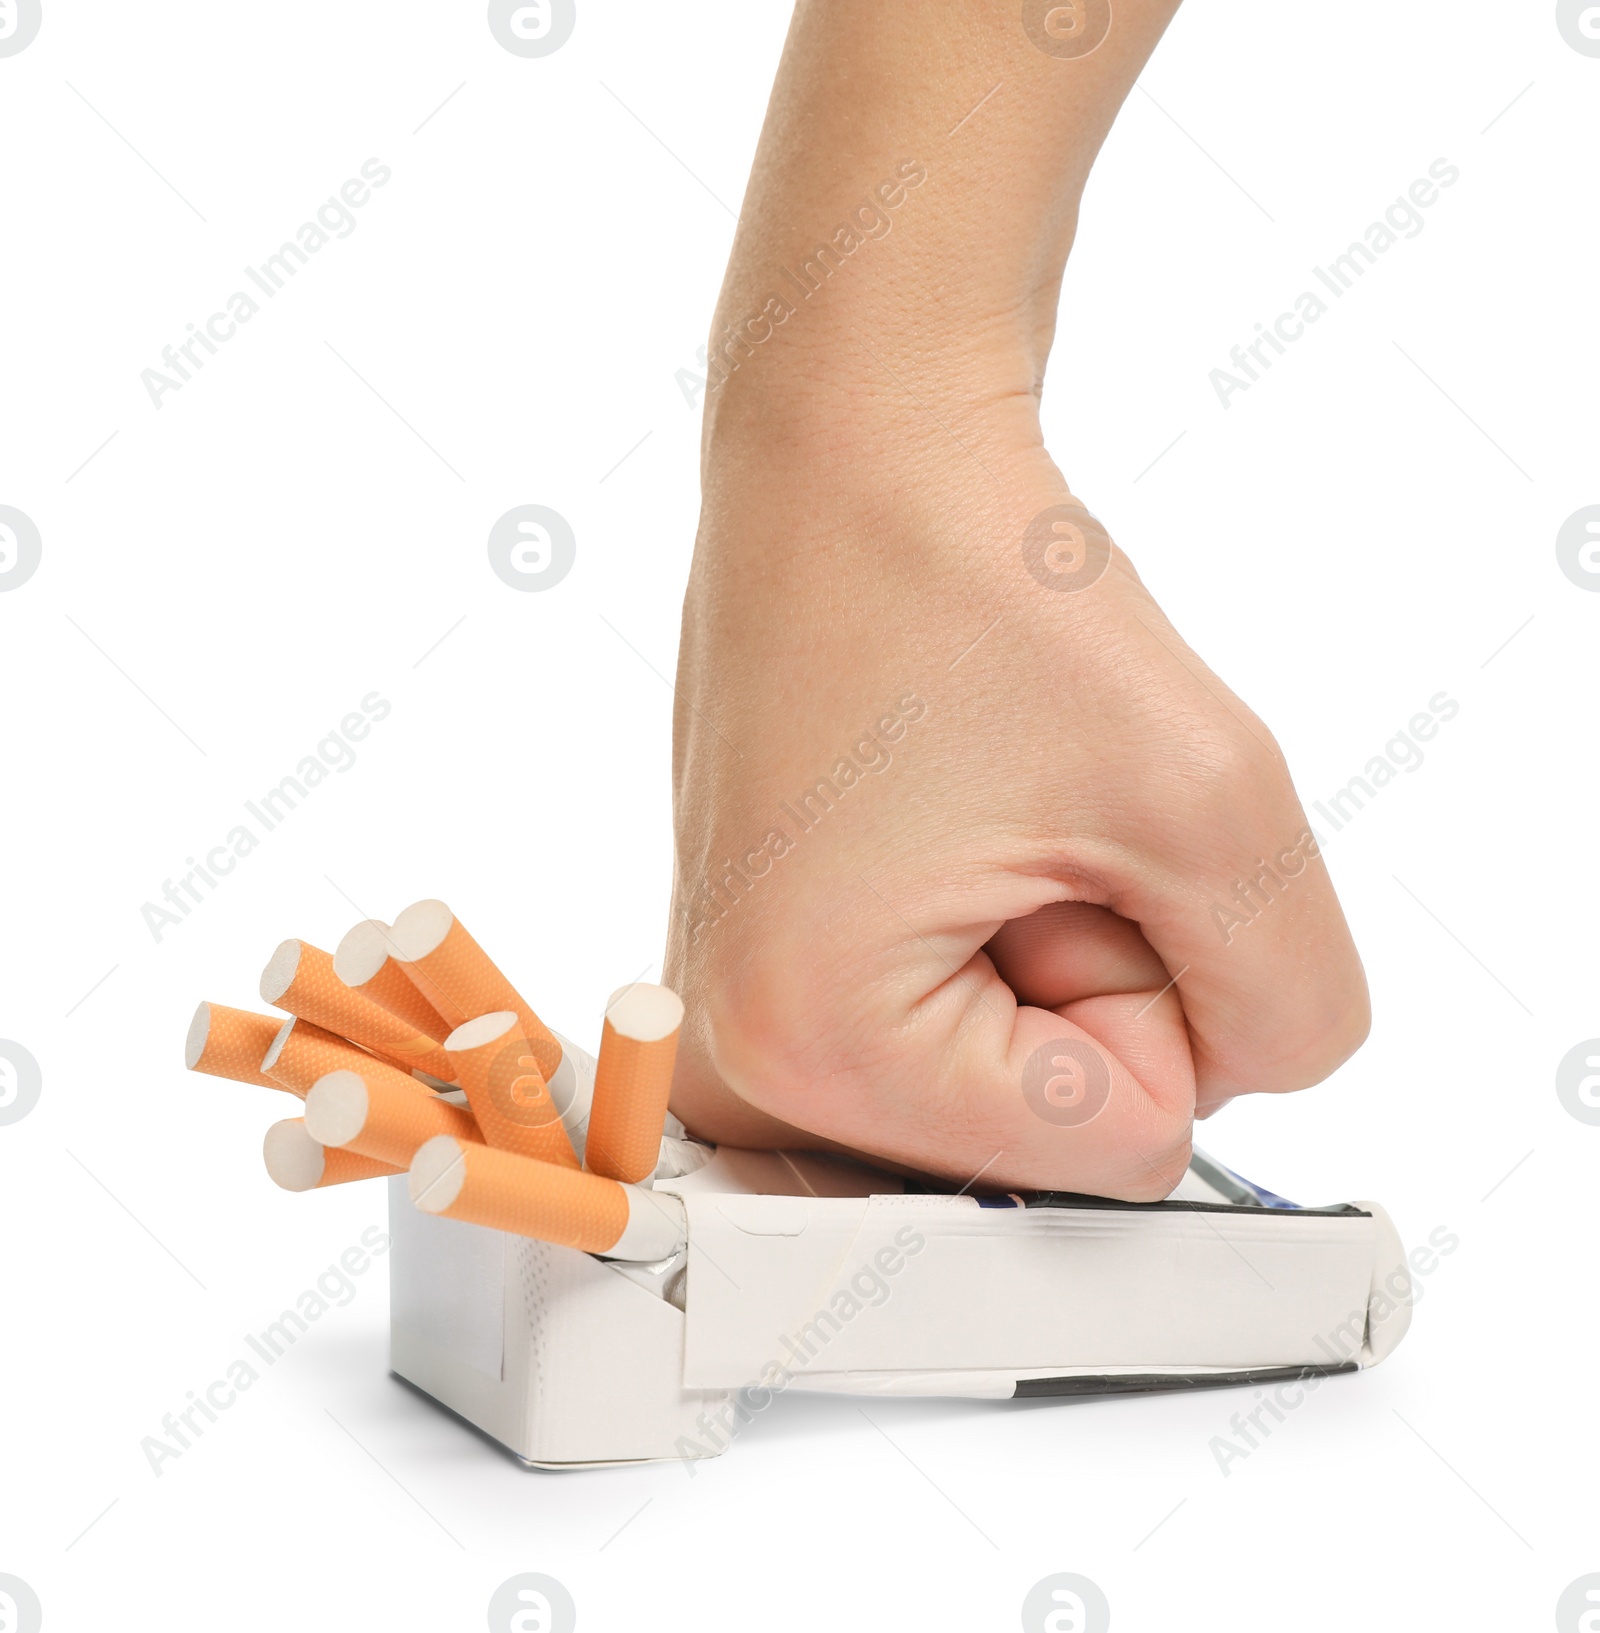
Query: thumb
pixel 1073 1075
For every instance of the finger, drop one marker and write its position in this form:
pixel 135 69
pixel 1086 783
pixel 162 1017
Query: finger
pixel 1072 950
pixel 1094 968
pixel 1258 947
pixel 948 1074
pixel 884 1028
pixel 1095 1095
pixel 1235 898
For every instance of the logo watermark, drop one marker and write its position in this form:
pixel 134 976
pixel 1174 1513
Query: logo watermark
pixel 1579 22
pixel 532 548
pixel 1578 1608
pixel 20 1084
pixel 1065 548
pixel 1577 1085
pixel 19 23
pixel 1069 30
pixel 1577 544
pixel 1065 1603
pixel 20 546
pixel 516 1088
pixel 20 1611
pixel 1067 1082
pixel 532 28
pixel 532 1603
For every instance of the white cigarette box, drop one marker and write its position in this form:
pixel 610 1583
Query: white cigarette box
pixel 803 1271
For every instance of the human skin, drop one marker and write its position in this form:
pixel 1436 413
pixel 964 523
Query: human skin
pixel 1014 948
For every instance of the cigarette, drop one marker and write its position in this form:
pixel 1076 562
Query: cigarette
pixel 461 981
pixel 300 979
pixel 503 1191
pixel 633 1079
pixel 301 1053
pixel 367 962
pixel 230 1043
pixel 383 1116
pixel 496 1066
pixel 297 1163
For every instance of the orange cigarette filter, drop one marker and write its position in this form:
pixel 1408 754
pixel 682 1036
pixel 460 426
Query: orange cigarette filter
pixel 301 1053
pixel 300 979
pixel 374 1115
pixel 638 1046
pixel 297 1163
pixel 461 981
pixel 496 1066
pixel 367 962
pixel 506 1192
pixel 231 1043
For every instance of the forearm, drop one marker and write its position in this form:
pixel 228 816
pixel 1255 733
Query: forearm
pixel 915 195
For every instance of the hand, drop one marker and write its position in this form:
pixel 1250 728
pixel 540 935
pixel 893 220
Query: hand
pixel 961 853
pixel 980 870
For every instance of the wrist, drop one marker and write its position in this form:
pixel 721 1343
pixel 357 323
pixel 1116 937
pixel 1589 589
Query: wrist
pixel 931 314
pixel 818 388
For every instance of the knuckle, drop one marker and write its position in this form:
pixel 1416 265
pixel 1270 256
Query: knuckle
pixel 1320 1049
pixel 1348 1028
pixel 1230 761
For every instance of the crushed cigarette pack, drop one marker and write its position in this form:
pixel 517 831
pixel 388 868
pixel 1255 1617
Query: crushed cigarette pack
pixel 584 1282
pixel 811 1272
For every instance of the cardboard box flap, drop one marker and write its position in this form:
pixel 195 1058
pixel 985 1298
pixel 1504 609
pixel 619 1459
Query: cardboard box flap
pixel 916 1283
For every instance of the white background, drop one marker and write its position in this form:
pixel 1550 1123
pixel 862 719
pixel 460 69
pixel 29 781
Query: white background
pixel 304 523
